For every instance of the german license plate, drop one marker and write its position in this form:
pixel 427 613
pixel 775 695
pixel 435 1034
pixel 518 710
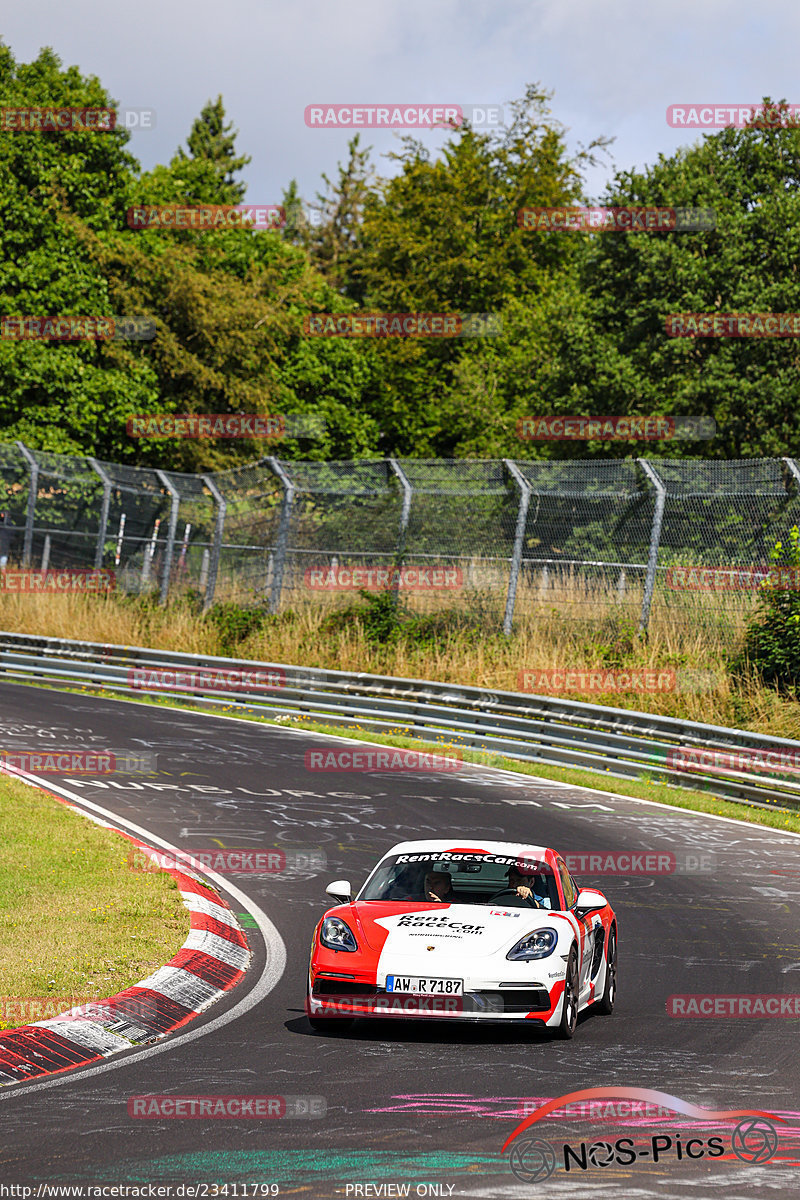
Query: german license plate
pixel 424 985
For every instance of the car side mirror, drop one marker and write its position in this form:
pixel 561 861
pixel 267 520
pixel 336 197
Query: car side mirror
pixel 590 901
pixel 340 890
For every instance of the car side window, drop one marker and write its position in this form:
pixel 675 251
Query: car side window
pixel 567 886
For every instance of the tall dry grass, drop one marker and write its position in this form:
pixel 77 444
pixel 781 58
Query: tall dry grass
pixel 576 626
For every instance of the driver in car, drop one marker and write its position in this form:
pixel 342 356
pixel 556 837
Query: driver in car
pixel 521 884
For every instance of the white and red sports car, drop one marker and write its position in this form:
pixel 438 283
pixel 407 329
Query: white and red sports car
pixel 498 931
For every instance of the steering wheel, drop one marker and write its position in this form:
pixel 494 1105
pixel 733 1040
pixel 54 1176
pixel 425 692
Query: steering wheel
pixel 529 900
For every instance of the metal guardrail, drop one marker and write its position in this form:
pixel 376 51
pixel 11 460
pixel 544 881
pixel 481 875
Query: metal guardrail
pixel 609 741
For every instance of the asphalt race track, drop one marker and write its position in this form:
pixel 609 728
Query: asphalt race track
pixel 406 1103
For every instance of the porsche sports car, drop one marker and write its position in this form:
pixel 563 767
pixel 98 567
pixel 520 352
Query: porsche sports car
pixel 496 932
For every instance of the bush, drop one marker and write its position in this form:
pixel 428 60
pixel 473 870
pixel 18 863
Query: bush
pixel 772 641
pixel 381 619
pixel 234 624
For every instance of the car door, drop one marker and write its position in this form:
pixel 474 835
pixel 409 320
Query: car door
pixel 583 924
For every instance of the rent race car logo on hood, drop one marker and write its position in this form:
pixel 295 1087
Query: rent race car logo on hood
pixel 422 920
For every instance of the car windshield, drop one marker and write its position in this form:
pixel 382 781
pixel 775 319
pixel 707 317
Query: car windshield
pixel 468 877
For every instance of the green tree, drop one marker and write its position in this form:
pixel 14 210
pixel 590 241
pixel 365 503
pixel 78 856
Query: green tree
pixel 772 641
pixel 228 305
pixel 443 236
pixel 296 228
pixel 333 236
pixel 212 161
pixel 613 355
pixel 62 396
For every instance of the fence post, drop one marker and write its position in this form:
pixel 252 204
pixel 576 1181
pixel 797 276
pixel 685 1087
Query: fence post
pixel 33 492
pixel 171 529
pixel 408 493
pixel 103 526
pixel 282 540
pixel 519 540
pixel 655 538
pixel 795 470
pixel 216 545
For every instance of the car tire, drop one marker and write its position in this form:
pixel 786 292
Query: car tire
pixel 569 1010
pixel 605 1004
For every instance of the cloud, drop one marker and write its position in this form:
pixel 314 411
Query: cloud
pixel 614 68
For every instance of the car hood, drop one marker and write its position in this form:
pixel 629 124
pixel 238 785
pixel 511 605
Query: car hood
pixel 472 929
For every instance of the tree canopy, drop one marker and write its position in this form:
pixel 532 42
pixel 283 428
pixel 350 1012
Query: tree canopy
pixel 579 318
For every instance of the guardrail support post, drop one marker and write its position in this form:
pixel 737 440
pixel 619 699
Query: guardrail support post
pixel 216 545
pixel 33 492
pixel 103 526
pixel 408 493
pixel 519 541
pixel 282 540
pixel 655 538
pixel 171 529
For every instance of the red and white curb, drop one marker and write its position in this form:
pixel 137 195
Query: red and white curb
pixel 212 960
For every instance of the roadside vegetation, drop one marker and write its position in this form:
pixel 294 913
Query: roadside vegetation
pixel 743 661
pixel 77 923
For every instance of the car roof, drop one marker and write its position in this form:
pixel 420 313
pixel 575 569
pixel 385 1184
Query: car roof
pixel 461 842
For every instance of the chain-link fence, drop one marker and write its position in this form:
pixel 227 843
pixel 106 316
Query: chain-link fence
pixel 682 540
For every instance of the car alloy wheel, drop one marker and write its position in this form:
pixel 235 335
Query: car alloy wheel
pixel 606 1003
pixel 569 1011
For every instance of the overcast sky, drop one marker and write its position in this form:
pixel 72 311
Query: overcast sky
pixel 613 67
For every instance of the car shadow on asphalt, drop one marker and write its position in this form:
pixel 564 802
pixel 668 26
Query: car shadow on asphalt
pixel 448 1032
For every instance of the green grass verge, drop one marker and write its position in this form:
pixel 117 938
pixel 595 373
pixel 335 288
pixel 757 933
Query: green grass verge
pixel 76 921
pixel 642 789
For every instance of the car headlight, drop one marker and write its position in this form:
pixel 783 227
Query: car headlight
pixel 538 944
pixel 336 935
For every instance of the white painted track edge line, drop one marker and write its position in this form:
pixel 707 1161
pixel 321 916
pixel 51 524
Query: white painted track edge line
pixel 268 980
pixel 532 779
